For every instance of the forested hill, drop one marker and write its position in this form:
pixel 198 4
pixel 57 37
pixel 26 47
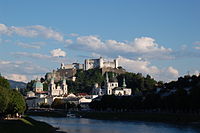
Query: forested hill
pixel 86 80
pixel 15 84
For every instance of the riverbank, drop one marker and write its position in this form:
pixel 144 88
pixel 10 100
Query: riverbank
pixel 47 113
pixel 143 116
pixel 25 125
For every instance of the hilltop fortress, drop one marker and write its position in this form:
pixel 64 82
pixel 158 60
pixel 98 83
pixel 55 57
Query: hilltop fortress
pixel 68 71
pixel 100 63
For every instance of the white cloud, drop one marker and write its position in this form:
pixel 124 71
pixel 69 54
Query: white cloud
pixel 95 55
pixel 20 70
pixel 144 46
pixel 32 31
pixel 2 62
pixel 4 29
pixel 26 45
pixel 74 34
pixel 92 42
pixel 58 53
pixel 17 77
pixel 38 43
pixel 136 66
pixel 196 72
pixel 173 71
pixel 32 55
pixel 145 67
pixel 197 45
pixel 68 41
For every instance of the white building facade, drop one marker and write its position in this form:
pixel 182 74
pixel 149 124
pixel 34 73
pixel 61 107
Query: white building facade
pixel 99 63
pixel 111 88
pixel 59 90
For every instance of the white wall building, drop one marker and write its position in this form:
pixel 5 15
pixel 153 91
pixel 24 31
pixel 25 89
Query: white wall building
pixel 71 66
pixel 111 87
pixel 59 90
pixel 99 63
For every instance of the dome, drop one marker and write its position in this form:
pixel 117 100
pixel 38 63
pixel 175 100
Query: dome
pixel 38 84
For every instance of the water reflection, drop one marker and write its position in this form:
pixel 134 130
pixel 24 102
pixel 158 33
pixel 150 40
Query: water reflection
pixel 81 125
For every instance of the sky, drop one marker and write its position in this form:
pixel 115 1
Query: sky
pixel 156 37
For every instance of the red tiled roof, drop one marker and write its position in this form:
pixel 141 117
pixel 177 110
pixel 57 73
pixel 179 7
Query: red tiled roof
pixel 41 92
pixel 82 94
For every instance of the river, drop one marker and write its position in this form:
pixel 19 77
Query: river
pixel 82 125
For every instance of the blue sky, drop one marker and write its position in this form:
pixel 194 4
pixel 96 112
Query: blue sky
pixel 157 37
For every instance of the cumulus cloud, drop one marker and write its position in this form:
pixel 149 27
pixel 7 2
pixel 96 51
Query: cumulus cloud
pixel 136 66
pixel 92 42
pixel 20 70
pixel 144 46
pixel 32 31
pixel 58 53
pixel 17 77
pixel 173 71
pixel 145 67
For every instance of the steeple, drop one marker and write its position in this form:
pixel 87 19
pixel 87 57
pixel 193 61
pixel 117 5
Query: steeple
pixel 64 81
pixel 52 80
pixel 107 79
pixel 113 75
pixel 124 83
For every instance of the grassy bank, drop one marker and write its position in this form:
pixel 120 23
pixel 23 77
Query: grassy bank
pixel 25 125
pixel 143 116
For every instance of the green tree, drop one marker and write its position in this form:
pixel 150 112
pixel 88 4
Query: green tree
pixel 16 102
pixel 58 104
pixel 29 86
pixel 4 99
pixel 4 82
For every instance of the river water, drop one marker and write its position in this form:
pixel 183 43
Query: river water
pixel 82 125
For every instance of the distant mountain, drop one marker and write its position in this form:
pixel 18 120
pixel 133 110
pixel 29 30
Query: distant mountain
pixel 14 84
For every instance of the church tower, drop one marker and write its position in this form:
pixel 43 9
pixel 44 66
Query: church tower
pixel 52 87
pixel 64 87
pixel 110 84
pixel 124 83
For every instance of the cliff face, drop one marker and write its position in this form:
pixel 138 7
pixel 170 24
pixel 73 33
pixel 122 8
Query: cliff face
pixel 68 74
pixel 114 70
pixel 61 73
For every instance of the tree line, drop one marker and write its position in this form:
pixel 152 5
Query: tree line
pixel 11 101
pixel 176 96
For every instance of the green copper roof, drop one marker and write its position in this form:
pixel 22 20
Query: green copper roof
pixel 124 83
pixel 38 84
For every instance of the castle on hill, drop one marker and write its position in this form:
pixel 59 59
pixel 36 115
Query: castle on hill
pixel 68 71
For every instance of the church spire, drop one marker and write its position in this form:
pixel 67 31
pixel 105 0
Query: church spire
pixel 52 80
pixel 124 83
pixel 107 79
pixel 64 81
